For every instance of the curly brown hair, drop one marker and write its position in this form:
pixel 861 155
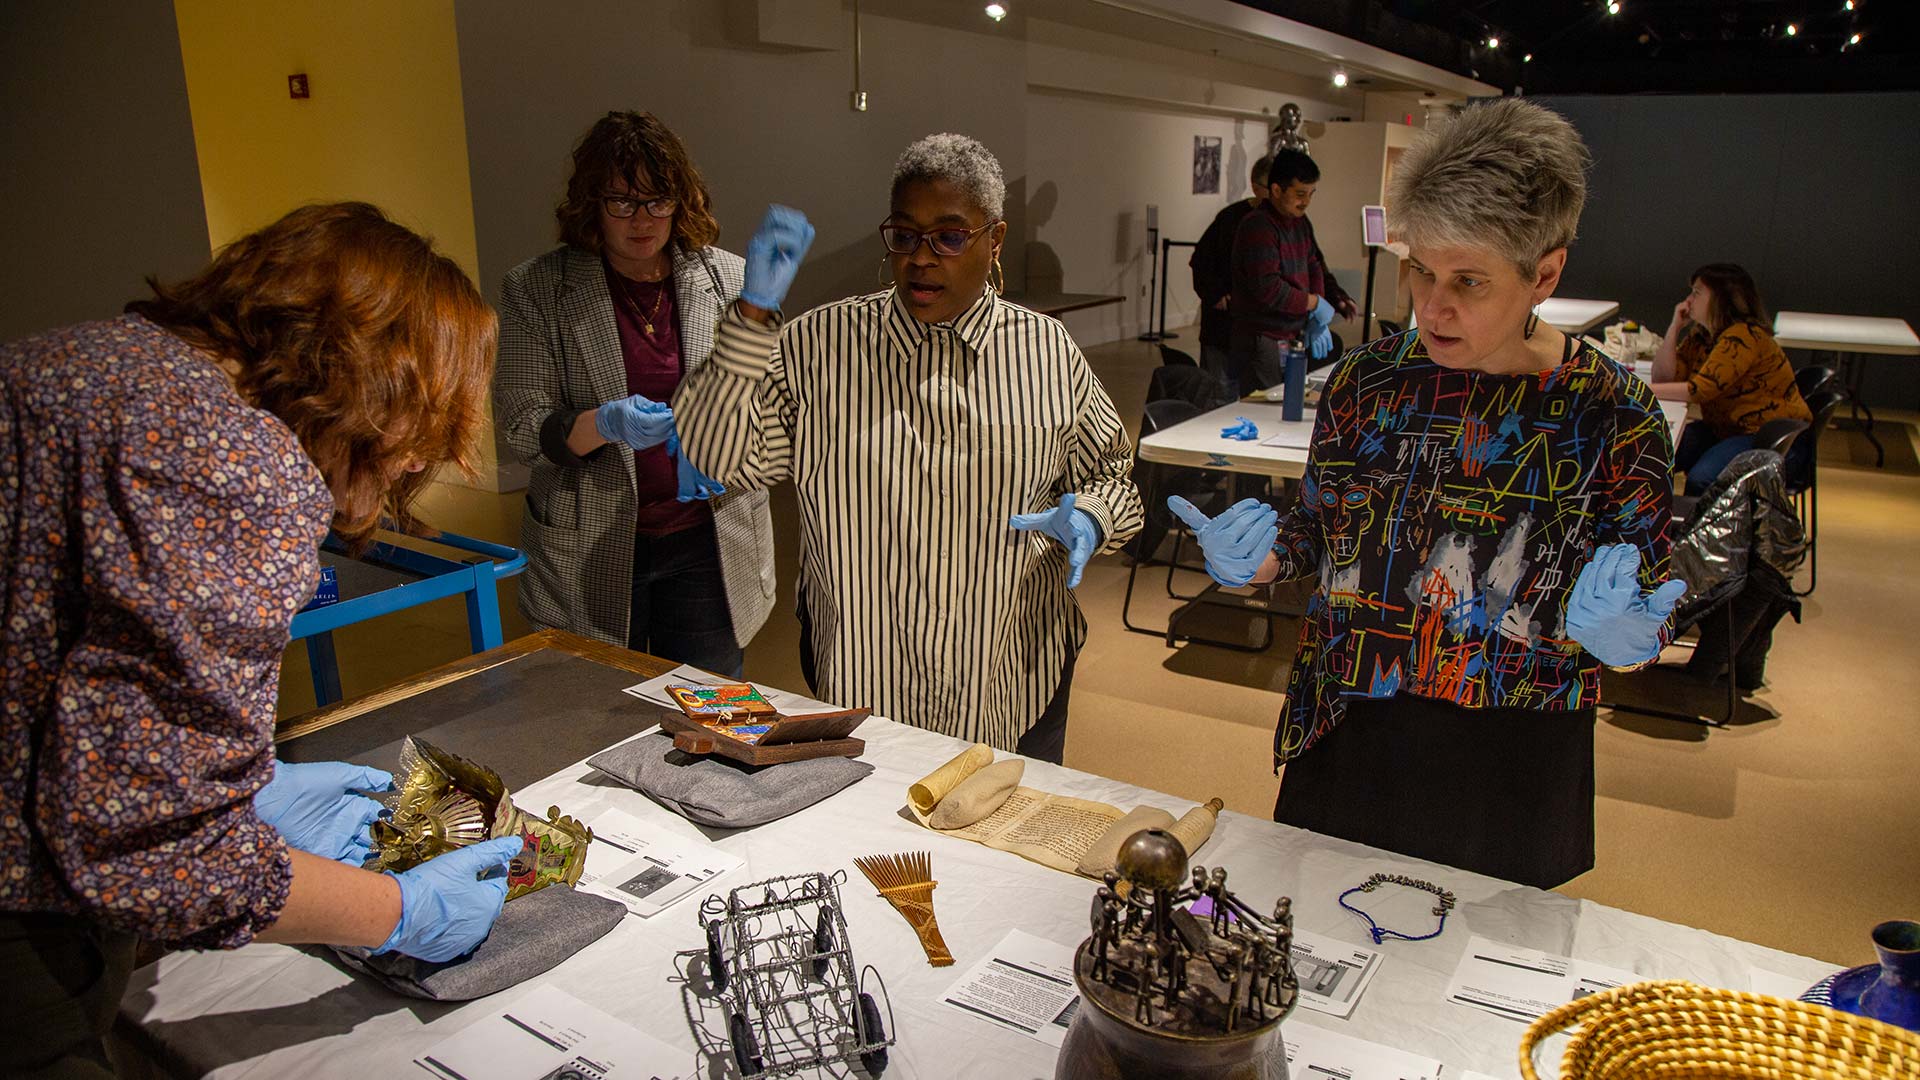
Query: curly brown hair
pixel 375 350
pixel 638 148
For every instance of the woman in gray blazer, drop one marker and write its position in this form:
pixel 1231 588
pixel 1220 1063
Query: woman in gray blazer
pixel 625 541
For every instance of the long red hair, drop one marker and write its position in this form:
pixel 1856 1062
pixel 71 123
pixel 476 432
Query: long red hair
pixel 375 350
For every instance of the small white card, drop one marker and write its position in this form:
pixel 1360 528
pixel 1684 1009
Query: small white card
pixel 547 1034
pixel 1526 984
pixel 1332 974
pixel 655 690
pixel 645 867
pixel 1314 1053
pixel 1025 984
pixel 1291 438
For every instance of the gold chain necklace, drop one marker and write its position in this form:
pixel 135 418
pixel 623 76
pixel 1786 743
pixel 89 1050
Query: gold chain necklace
pixel 633 305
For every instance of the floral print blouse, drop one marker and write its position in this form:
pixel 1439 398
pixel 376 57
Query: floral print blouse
pixel 1447 514
pixel 159 535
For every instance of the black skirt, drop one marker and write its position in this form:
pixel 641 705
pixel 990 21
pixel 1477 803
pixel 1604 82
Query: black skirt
pixel 1502 792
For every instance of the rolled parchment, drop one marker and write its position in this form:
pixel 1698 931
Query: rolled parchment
pixel 978 795
pixel 1105 851
pixel 1195 827
pixel 936 784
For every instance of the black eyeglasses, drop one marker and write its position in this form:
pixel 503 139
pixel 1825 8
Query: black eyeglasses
pixel 904 241
pixel 625 206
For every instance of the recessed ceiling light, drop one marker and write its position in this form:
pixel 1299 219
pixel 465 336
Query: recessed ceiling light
pixel 1792 29
pixel 1527 59
pixel 1493 43
pixel 1340 78
pixel 1613 7
pixel 996 12
pixel 1849 5
pixel 1854 40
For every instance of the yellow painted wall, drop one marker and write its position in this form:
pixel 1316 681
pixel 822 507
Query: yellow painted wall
pixel 384 124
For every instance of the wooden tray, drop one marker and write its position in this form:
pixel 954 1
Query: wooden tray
pixel 793 738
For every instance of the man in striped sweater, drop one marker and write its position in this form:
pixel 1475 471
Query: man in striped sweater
pixel 1282 289
pixel 955 459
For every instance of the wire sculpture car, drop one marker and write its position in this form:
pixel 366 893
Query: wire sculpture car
pixel 778 954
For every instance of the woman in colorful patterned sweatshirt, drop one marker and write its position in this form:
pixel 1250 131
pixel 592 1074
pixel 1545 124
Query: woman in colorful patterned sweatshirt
pixel 167 479
pixel 1719 353
pixel 1486 507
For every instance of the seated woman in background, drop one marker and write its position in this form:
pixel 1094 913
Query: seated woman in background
pixel 1720 355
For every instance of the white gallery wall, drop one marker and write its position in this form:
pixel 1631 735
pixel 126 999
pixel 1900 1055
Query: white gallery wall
pixel 1090 128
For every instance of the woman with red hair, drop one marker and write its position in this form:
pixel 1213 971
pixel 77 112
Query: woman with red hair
pixel 167 479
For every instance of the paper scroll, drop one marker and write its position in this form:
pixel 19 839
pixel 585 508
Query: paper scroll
pixel 1075 835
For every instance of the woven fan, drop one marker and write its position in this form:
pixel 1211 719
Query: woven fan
pixel 907 883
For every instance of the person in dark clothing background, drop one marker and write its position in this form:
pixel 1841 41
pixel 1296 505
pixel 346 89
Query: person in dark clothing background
pixel 1282 289
pixel 1212 264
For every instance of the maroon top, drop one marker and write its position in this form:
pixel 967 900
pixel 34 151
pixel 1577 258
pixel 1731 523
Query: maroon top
pixel 654 368
pixel 160 534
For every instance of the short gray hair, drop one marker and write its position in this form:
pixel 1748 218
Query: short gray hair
pixel 960 161
pixel 1506 175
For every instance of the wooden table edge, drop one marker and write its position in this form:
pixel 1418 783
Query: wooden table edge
pixel 641 664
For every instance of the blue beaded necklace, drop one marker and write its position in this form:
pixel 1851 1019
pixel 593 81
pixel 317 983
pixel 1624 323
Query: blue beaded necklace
pixel 1381 933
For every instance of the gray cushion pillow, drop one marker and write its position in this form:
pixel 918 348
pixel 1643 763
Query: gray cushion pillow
pixel 713 790
pixel 534 933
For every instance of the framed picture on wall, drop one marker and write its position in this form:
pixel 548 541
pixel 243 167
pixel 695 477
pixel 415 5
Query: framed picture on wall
pixel 1206 164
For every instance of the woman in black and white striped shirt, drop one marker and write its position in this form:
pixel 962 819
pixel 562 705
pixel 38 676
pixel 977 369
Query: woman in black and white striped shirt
pixel 955 459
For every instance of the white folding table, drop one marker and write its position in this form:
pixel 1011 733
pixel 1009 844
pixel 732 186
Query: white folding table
pixel 1576 316
pixel 1848 337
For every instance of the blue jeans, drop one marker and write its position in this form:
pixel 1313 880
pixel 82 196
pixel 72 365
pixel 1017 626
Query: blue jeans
pixel 1702 455
pixel 679 610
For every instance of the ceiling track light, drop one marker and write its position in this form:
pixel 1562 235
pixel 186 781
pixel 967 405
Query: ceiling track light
pixel 1493 42
pixel 1793 29
pixel 1613 7
pixel 996 12
pixel 1340 79
pixel 1527 59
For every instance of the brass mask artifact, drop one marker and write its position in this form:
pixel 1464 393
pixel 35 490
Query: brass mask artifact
pixel 441 801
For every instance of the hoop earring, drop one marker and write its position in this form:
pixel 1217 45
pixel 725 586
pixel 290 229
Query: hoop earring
pixel 997 278
pixel 1533 323
pixel 885 272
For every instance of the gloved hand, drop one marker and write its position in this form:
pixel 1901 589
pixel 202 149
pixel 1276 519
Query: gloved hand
pixel 694 484
pixel 444 911
pixel 1608 615
pixel 1322 314
pixel 1075 529
pixel 1236 542
pixel 1320 342
pixel 1242 429
pixel 638 421
pixel 315 808
pixel 774 254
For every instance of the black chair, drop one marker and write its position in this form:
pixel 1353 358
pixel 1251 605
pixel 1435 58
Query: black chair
pixel 1778 435
pixel 1171 355
pixel 1388 327
pixel 1205 488
pixel 1803 475
pixel 1814 378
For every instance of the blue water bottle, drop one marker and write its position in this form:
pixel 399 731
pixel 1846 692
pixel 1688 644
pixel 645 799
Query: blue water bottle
pixel 1293 407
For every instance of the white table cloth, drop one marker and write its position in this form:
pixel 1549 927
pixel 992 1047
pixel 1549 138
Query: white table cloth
pixel 272 1011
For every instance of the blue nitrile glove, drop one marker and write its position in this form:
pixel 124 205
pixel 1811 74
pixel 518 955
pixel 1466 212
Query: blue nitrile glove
pixel 1320 342
pixel 1609 616
pixel 774 254
pixel 694 484
pixel 1242 429
pixel 444 911
pixel 314 807
pixel 1075 529
pixel 1322 315
pixel 1236 542
pixel 638 421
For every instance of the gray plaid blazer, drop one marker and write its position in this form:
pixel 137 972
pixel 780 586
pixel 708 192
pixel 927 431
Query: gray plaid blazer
pixel 559 355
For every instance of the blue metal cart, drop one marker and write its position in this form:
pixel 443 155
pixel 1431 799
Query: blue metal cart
pixel 387 578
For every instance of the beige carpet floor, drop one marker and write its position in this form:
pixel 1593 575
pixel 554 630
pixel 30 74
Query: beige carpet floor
pixel 1798 827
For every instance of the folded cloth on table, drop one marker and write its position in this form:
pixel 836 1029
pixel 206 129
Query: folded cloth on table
pixel 713 790
pixel 533 934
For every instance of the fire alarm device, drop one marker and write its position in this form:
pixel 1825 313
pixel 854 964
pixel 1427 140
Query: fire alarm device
pixel 297 86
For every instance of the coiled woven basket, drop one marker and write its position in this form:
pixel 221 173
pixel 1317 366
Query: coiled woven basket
pixel 1673 1029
